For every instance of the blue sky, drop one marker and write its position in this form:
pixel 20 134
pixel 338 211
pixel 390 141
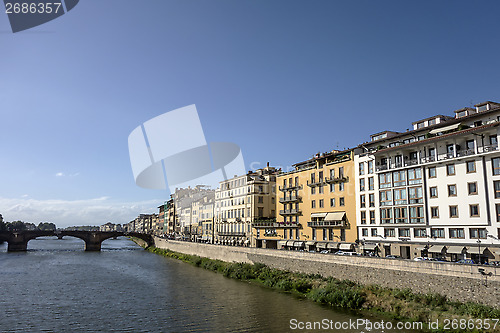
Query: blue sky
pixel 282 79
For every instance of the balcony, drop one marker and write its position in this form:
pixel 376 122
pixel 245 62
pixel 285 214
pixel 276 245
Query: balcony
pixel 322 224
pixel 340 179
pixel 293 198
pixel 231 233
pixel 295 187
pixel 314 183
pixel 287 212
pixel 263 224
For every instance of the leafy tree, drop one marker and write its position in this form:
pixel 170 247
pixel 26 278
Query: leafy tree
pixel 48 226
pixel 16 226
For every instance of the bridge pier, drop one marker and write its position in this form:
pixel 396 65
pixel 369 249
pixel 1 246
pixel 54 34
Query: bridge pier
pixel 59 236
pixel 17 246
pixel 92 246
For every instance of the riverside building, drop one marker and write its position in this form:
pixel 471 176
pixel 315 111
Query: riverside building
pixel 316 206
pixel 242 200
pixel 434 190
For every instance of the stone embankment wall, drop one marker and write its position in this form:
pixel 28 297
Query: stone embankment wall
pixel 458 282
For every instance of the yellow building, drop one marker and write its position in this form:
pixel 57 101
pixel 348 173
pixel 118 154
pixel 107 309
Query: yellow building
pixel 316 206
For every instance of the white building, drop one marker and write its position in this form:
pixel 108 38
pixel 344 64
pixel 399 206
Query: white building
pixel 434 190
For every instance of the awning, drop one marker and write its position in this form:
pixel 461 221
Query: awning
pixel 280 243
pixel 311 243
pixel 436 249
pixel 420 248
pixel 370 247
pixel 454 249
pixel 345 246
pixel 318 215
pixel 333 246
pixel 289 243
pixel 337 216
pixel 247 241
pixel 321 245
pixel 475 250
pixel 444 129
pixel 298 244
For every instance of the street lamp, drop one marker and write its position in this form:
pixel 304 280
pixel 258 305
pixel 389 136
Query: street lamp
pixel 479 249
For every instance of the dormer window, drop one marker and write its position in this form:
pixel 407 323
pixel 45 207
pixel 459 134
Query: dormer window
pixel 482 108
pixel 461 114
pixel 421 124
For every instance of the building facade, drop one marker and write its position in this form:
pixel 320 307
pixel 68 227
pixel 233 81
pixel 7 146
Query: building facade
pixel 242 200
pixel 316 206
pixel 433 191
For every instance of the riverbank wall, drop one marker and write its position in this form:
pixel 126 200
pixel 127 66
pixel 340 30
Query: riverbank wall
pixel 462 283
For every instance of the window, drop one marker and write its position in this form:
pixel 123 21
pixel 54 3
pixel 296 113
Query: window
pixel 414 176
pixel 384 180
pixel 261 199
pixel 341 187
pixel 297 234
pixel 313 204
pixel 371 185
pixel 416 214
pixel 469 144
pixel 371 199
pixel 285 233
pixel 330 234
pixel 404 232
pixel 493 140
pixel 386 215
pixel 496 165
pixel 415 195
pixel 362 184
pixel 332 188
pixel 374 232
pixel 496 188
pixel 370 166
pixel 363 217
pixel 332 202
pixel 341 201
pixel 362 200
pixel 437 233
pixel 386 198
pixel 389 232
pixel 471 166
pixel 452 190
pixel 434 212
pixel 432 172
pixel 400 197
pixel 450 169
pixel 433 192
pixel 399 178
pixel 420 232
pixel 456 233
pixel 324 234
pixel 364 232
pixel 400 215
pixel 361 168
pixel 341 172
pixel 372 217
pixel 472 188
pixel 497 208
pixel 313 234
pixel 313 178
pixel 320 176
pixel 320 189
pixel 478 233
pixel 453 211
pixel 321 203
pixel 313 190
pixel 474 210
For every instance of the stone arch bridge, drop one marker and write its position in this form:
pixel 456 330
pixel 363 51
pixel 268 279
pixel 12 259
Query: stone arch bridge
pixel 18 241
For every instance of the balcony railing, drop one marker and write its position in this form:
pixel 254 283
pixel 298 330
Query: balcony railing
pixel 290 212
pixel 275 225
pixel 321 224
pixel 440 157
pixel 231 233
pixel 291 199
pixel 341 179
pixel 295 187
pixel 315 183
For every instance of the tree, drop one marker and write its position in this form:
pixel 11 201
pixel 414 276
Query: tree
pixel 47 226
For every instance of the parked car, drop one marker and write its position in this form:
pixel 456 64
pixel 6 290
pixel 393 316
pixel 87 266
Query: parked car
pixel 325 251
pixel 465 262
pixel 392 256
pixel 421 259
pixel 495 263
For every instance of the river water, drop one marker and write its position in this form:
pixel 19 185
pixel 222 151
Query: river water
pixel 56 286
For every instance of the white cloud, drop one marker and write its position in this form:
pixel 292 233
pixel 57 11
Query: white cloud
pixel 59 174
pixel 66 213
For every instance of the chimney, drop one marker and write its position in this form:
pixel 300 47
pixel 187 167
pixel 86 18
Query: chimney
pixel 268 164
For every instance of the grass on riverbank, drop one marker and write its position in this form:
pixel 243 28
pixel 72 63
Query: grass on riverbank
pixel 403 305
